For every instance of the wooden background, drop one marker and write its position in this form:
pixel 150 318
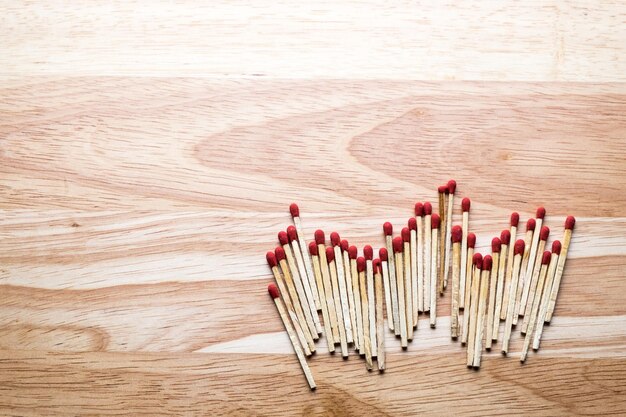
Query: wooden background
pixel 149 152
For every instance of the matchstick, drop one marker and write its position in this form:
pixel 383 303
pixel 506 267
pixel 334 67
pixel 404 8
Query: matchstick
pixel 471 242
pixel 502 286
pixel 456 235
pixel 433 270
pixel 371 305
pixel 532 288
pixel 441 247
pixel 332 266
pixel 397 249
pixel 428 253
pixel 496 246
pixel 509 264
pixel 343 291
pixel 408 295
pixel 449 213
pixel 419 217
pixel 348 278
pixel 570 221
pixel 320 240
pixel 394 324
pixel 304 341
pixel 380 324
pixel 273 290
pixel 534 260
pixel 466 259
pixel 367 344
pixel 384 257
pixel 545 296
pixel 533 310
pixel 413 245
pixel 530 231
pixel 295 215
pixel 356 291
pixel 485 277
pixel 317 271
pixel 518 251
pixel 472 307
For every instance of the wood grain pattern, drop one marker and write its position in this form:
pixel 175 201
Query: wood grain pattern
pixel 149 152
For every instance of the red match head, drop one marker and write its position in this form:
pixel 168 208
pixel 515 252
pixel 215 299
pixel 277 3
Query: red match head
pixel 478 260
pixel 514 219
pixel 570 221
pixel 376 265
pixel 313 248
pixel 451 186
pixel 541 213
pixel 382 253
pixel 442 189
pixel 456 234
pixel 519 247
pixel 434 223
pixel 419 209
pixel 487 263
pixel 344 245
pixel 335 240
pixel 406 234
pixel 368 252
pixel 397 244
pixel 471 240
pixel 294 210
pixel 280 253
pixel 330 254
pixel 360 264
pixel 505 237
pixel 465 204
pixel 496 245
pixel 292 233
pixel 530 224
pixel 273 290
pixel 271 259
pixel 387 229
pixel 556 247
pixel 544 233
pixel 412 223
pixel 283 238
pixel 545 260
pixel 428 209
pixel 320 237
pixel 352 252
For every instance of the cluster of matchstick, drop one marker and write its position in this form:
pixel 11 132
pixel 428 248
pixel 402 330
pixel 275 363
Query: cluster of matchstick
pixel 354 293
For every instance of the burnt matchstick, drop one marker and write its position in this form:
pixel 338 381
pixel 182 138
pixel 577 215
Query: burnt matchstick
pixel 320 240
pixel 570 221
pixel 367 343
pixel 433 269
pixel 501 287
pixel 413 245
pixel 384 258
pixel 306 343
pixel 449 213
pixel 530 231
pixel 485 277
pixel 310 274
pixel 471 242
pixel 534 259
pixel 419 217
pixel 393 281
pixel 428 253
pixel 345 246
pixel 533 310
pixel 441 247
pixel 343 290
pixel 368 254
pixel 356 291
pixel 509 264
pixel 317 272
pixel 380 324
pixel 273 291
pixel 532 288
pixel 466 260
pixel 332 267
pixel 518 251
pixel 545 296
pixel 397 249
pixel 472 307
pixel 456 235
pixel 496 247
pixel 408 295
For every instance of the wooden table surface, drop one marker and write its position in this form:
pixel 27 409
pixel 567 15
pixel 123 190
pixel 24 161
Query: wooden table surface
pixel 149 152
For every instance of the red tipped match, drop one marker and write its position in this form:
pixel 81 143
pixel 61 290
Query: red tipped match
pixel 519 247
pixel 387 229
pixel 434 223
pixel 283 238
pixel 397 244
pixel 456 234
pixel 546 257
pixel 505 237
pixel 530 224
pixel 344 245
pixel 352 252
pixel 544 233
pixel 412 223
pixel 466 204
pixel 487 263
pixel 320 238
pixel 419 209
pixel 330 254
pixel 451 186
pixel 570 221
pixel 376 265
pixel 295 211
pixel 406 234
pixel 313 248
pixel 273 290
pixel 556 247
pixel 280 253
pixel 368 252
pixel 496 245
pixel 292 233
pixel 541 212
pixel 478 260
pixel 271 259
pixel 514 219
pixel 360 264
pixel 471 240
pixel 442 189
pixel 335 240
pixel 382 253
pixel 428 209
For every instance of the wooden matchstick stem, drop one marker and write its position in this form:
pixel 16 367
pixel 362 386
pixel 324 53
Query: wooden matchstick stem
pixel 554 292
pixel 343 341
pixel 309 332
pixel 413 275
pixel 408 295
pixel 380 324
pixel 356 291
pixel 508 324
pixel 467 310
pixel 441 247
pixel 367 344
pixel 386 281
pixel 428 254
pixel 545 300
pixel 343 294
pixel 501 289
pixel 532 288
pixel 371 305
pixel 393 281
pixel 297 279
pixel 420 263
pixel 491 306
pixel 456 271
pixel 508 275
pixel 328 292
pixel 535 254
pixel 485 277
pixel 469 274
pixel 464 261
pixel 433 278
pixel 307 262
pixel 350 295
pixel 533 311
pixel 328 332
pixel 401 306
pixel 297 253
pixel 449 214
pixel 472 307
pixel 522 278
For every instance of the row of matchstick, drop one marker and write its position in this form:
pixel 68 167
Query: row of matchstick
pixel 519 279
